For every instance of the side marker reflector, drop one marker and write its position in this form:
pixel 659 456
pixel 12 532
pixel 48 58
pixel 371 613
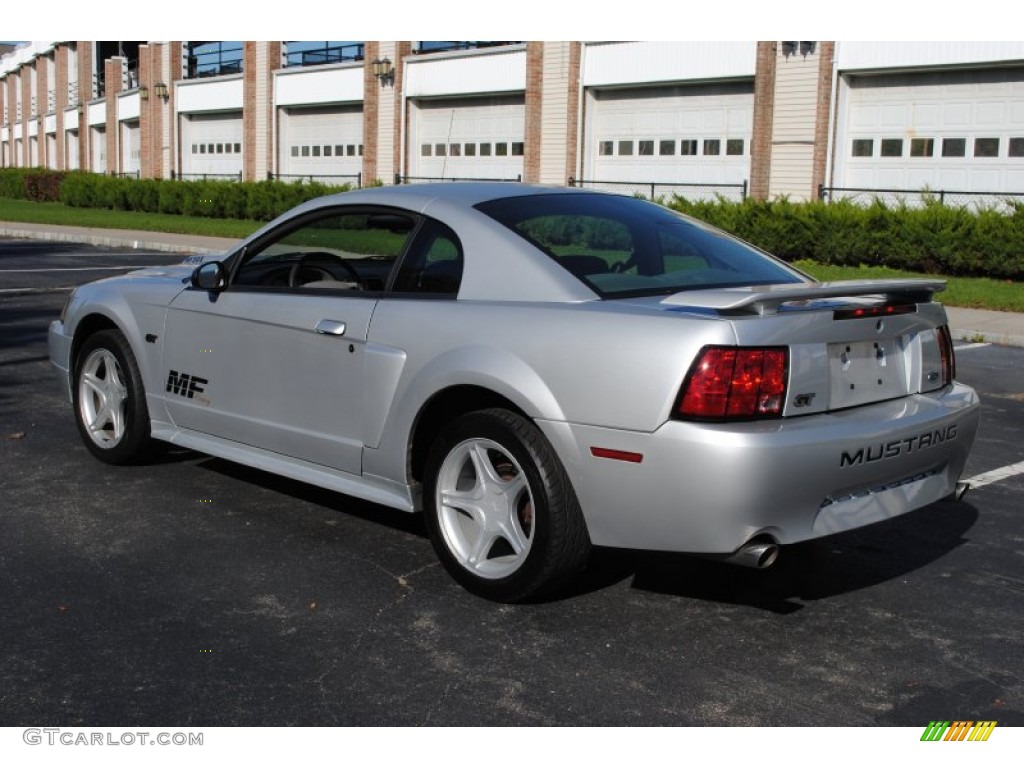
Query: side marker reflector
pixel 611 453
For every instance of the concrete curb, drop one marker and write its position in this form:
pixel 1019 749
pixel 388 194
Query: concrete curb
pixel 166 242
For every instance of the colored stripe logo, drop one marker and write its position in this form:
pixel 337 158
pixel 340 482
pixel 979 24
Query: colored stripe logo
pixel 959 730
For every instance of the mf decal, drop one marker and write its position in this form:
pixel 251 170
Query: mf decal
pixel 872 453
pixel 186 385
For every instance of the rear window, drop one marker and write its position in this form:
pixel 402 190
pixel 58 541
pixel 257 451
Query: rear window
pixel 622 246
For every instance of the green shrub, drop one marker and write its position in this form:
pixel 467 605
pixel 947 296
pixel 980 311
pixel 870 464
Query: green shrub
pixel 931 238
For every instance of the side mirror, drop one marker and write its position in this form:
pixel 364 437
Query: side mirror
pixel 210 277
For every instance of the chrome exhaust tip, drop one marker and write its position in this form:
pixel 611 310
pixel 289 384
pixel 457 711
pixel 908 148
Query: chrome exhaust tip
pixel 755 554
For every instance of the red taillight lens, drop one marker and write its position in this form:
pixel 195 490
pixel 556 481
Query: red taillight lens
pixel 727 383
pixel 948 358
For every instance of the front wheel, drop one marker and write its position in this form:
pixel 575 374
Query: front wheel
pixel 109 399
pixel 499 507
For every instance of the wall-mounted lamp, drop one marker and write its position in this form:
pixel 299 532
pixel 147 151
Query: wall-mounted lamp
pixel 161 92
pixel 384 71
pixel 143 93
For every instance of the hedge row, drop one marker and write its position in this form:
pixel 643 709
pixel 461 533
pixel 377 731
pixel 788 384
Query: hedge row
pixel 35 184
pixel 933 238
pixel 261 201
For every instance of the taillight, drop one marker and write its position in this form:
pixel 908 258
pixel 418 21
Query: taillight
pixel 946 352
pixel 733 383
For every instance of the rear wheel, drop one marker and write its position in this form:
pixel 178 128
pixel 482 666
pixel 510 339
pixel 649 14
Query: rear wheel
pixel 109 399
pixel 501 512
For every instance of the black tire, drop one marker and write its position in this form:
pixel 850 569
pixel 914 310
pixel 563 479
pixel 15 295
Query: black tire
pixel 544 541
pixel 108 394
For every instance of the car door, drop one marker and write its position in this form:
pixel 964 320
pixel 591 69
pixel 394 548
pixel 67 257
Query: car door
pixel 275 360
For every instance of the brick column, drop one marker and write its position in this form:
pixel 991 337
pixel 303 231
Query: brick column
pixel 60 68
pixel 827 51
pixel 26 114
pixel 42 108
pixel 113 72
pixel 371 118
pixel 84 48
pixel 764 111
pixel 403 49
pixel 260 59
pixel 172 70
pixel 534 110
pixel 556 135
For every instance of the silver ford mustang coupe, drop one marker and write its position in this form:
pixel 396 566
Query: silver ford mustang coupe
pixel 538 370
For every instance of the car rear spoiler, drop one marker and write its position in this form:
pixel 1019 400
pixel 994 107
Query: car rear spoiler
pixel 766 299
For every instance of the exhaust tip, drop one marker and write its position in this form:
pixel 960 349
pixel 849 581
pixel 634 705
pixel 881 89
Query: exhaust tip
pixel 961 490
pixel 758 554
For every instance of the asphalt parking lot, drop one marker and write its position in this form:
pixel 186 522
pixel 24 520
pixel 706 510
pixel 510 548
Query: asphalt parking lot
pixel 197 592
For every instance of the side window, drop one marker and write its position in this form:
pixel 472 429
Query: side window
pixel 433 264
pixel 340 251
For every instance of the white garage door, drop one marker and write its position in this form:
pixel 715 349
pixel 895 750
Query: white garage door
pixel 942 130
pixel 211 145
pixel 467 138
pixel 697 134
pixel 325 143
pixel 130 147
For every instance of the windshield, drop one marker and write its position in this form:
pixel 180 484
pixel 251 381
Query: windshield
pixel 622 246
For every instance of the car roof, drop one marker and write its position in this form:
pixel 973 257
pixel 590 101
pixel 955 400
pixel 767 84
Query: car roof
pixel 465 193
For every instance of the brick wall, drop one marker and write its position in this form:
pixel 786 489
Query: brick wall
pixel 764 110
pixel 112 71
pixel 403 48
pixel 827 51
pixel 534 111
pixel 371 118
pixel 60 69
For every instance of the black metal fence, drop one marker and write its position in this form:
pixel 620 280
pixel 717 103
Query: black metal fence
pixel 210 176
pixel 919 197
pixel 400 179
pixel 331 179
pixel 655 189
pixel 128 175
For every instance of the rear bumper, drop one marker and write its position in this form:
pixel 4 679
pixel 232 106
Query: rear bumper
pixel 59 347
pixel 710 488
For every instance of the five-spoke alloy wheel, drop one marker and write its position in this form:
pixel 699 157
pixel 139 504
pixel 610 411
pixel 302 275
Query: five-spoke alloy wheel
pixel 110 404
pixel 500 509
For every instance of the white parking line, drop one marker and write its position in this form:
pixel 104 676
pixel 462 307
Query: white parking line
pixel 976 345
pixel 69 269
pixel 995 475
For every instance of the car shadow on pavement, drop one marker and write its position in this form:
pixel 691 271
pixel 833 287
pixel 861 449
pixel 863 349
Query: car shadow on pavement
pixel 335 501
pixel 803 573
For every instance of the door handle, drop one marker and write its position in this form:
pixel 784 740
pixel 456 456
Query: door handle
pixel 330 328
